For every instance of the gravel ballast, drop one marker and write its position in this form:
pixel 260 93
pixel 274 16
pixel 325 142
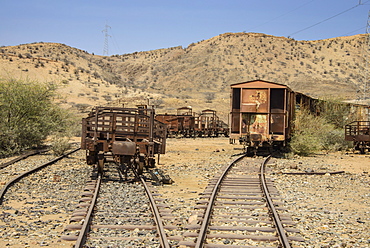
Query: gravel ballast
pixel 331 210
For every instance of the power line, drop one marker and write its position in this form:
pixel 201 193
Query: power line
pixel 115 42
pixel 353 31
pixel 360 3
pixel 273 19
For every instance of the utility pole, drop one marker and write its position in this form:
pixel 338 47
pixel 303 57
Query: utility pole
pixel 106 35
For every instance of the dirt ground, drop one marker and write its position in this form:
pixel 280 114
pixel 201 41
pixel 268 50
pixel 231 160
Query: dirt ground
pixel 191 162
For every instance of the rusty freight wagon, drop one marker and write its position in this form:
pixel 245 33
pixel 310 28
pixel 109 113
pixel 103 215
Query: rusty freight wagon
pixel 130 136
pixel 261 114
pixel 180 124
pixel 359 133
pixel 210 125
pixel 186 121
pixel 171 121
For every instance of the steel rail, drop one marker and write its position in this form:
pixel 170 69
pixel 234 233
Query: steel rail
pixel 81 240
pixel 160 228
pixel 157 217
pixel 279 227
pixel 21 157
pixel 12 181
pixel 203 229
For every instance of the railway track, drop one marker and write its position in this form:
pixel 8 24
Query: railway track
pixel 22 157
pixel 117 213
pixel 37 200
pixel 29 171
pixel 241 208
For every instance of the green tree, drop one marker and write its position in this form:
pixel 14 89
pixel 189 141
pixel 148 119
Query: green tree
pixel 28 114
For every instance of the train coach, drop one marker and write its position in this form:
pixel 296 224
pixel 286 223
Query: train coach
pixel 130 136
pixel 261 115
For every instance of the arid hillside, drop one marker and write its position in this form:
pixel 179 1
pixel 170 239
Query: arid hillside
pixel 198 75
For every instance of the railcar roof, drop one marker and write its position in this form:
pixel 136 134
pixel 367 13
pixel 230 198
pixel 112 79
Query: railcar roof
pixel 259 84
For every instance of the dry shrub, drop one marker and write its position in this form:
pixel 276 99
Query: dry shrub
pixel 60 145
pixel 313 134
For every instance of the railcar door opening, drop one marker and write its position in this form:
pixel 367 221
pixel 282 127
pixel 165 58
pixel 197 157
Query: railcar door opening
pixel 277 110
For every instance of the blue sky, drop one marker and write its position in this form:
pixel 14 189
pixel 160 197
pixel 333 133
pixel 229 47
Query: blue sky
pixel 143 25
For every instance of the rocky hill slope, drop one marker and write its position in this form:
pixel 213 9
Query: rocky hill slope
pixel 198 75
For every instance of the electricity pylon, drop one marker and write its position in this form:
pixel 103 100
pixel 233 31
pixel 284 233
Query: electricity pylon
pixel 106 35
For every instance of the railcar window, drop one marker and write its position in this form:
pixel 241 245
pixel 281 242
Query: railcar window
pixel 277 100
pixel 236 98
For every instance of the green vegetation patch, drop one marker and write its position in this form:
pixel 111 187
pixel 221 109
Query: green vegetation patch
pixel 29 114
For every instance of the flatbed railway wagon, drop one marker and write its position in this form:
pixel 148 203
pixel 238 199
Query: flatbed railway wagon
pixel 130 136
pixel 261 115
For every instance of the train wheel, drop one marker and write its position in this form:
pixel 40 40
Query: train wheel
pixel 151 162
pixel 362 150
pixel 90 157
pixel 139 164
pixel 101 163
pixel 140 168
pixel 123 165
pixel 250 151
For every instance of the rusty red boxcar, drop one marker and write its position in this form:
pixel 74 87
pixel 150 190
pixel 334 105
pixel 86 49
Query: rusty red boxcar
pixel 261 114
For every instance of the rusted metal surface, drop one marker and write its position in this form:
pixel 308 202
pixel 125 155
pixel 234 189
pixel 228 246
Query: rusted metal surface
pixel 131 136
pixel 254 100
pixel 186 123
pixel 279 226
pixel 359 133
pixel 171 121
pixel 261 113
pixel 358 130
pixel 88 216
pixel 314 173
pixel 157 217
